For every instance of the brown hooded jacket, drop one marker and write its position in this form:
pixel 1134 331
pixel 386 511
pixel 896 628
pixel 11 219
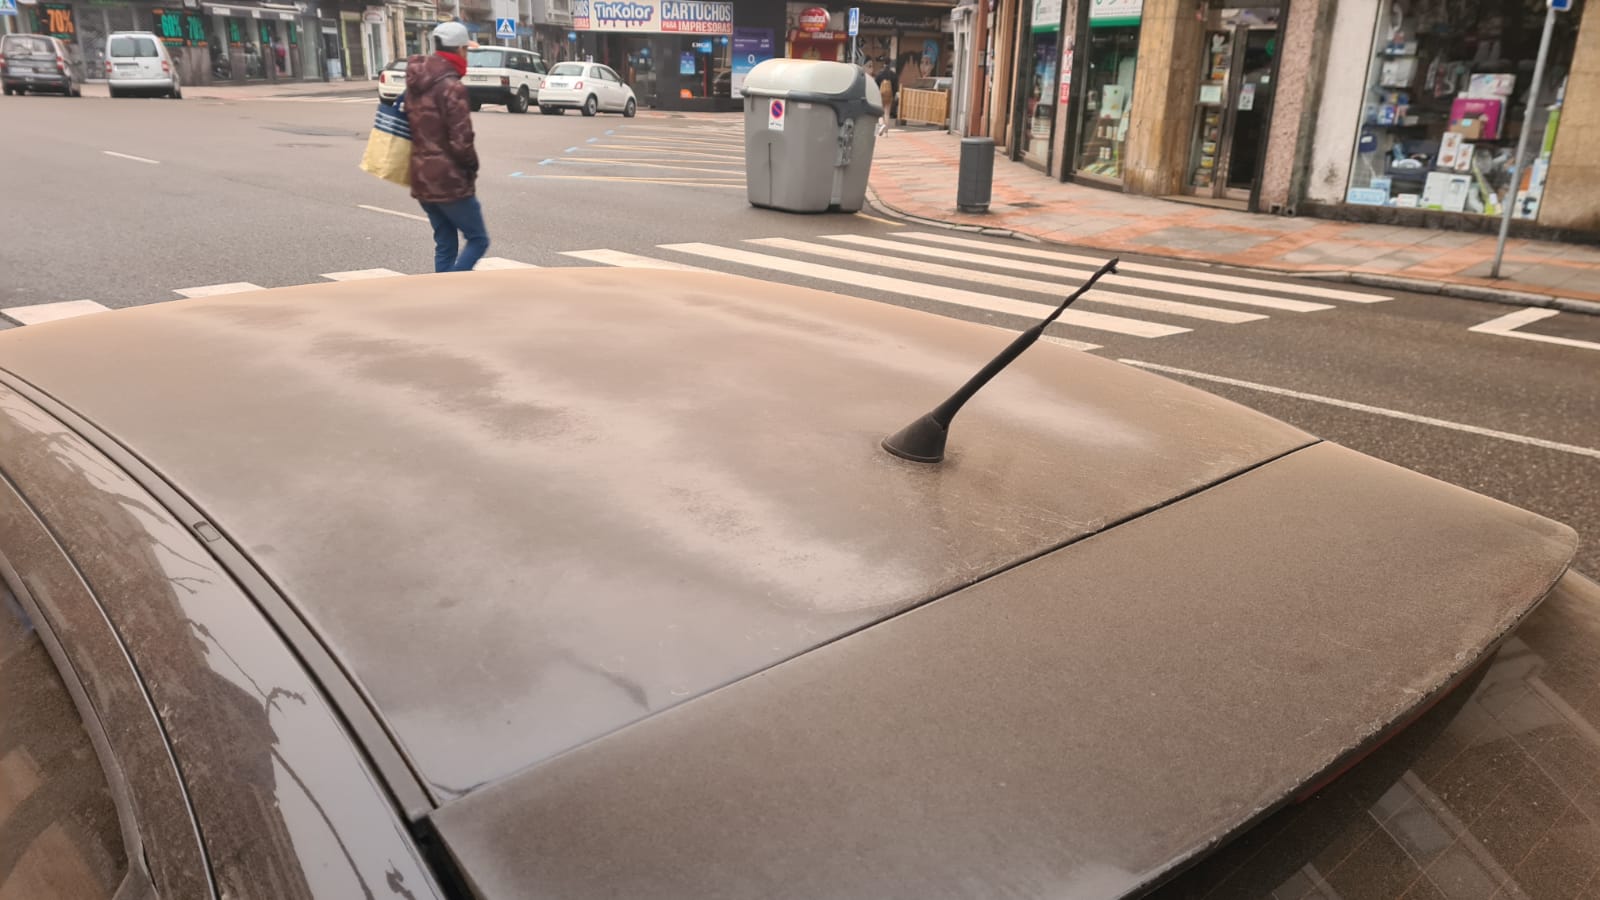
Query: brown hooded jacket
pixel 444 163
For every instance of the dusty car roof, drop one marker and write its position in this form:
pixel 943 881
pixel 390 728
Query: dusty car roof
pixel 1078 726
pixel 526 509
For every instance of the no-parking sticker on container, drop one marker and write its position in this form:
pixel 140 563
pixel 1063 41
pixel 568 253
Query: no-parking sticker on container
pixel 775 116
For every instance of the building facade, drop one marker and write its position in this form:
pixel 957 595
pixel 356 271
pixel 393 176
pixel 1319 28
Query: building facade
pixel 1405 111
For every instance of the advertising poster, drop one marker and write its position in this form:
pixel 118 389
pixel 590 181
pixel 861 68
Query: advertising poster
pixel 750 46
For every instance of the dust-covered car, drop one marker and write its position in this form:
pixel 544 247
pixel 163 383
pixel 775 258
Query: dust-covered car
pixel 608 583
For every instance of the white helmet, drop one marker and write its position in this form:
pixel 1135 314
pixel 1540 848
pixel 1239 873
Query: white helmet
pixel 451 34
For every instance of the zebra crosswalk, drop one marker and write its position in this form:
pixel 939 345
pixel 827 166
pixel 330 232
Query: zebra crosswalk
pixel 1002 283
pixel 700 155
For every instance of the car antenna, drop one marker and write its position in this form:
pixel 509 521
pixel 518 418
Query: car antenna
pixel 923 440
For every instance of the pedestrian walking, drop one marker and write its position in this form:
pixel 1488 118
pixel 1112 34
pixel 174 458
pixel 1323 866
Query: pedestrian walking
pixel 444 161
pixel 886 90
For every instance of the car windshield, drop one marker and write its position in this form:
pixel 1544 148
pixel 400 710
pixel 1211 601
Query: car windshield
pixel 569 69
pixel 17 45
pixel 486 59
pixel 132 46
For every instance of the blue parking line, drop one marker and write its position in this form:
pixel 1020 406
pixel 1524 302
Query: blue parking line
pixel 591 140
pixel 569 150
pixel 546 162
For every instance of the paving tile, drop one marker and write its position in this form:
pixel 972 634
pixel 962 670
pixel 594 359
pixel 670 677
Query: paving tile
pixel 1377 868
pixel 1566 858
pixel 1460 874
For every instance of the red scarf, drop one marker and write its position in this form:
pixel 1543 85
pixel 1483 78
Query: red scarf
pixel 460 62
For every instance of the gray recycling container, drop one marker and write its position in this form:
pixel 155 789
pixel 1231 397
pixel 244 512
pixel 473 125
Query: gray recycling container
pixel 809 132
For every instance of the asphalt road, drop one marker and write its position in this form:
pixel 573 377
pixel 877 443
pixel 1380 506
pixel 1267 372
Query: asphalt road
pixel 126 202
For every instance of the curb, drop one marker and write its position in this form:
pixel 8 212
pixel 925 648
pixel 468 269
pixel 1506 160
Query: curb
pixel 1365 279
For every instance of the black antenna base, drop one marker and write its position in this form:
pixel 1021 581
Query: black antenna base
pixel 922 441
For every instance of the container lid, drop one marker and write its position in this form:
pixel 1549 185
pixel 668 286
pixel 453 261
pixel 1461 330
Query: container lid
pixel 818 79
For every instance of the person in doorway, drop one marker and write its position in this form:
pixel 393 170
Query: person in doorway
pixel 281 54
pixel 444 159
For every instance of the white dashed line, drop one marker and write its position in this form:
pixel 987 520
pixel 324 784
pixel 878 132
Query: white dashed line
pixel 214 290
pixel 392 212
pixel 50 312
pixel 153 162
pixel 1375 410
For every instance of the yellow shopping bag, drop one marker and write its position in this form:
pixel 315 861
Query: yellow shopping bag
pixel 388 153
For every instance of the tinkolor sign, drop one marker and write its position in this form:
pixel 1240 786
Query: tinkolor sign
pixel 674 16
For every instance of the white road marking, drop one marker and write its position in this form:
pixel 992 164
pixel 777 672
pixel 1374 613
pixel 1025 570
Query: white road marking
pixel 1052 288
pixel 360 274
pixel 213 290
pixel 623 148
pixel 392 212
pixel 495 263
pixel 1063 342
pixel 629 260
pixel 50 312
pixel 693 141
pixel 639 164
pixel 1375 410
pixel 153 162
pixel 981 259
pixel 1171 271
pixel 1507 325
pixel 934 292
pixel 635 261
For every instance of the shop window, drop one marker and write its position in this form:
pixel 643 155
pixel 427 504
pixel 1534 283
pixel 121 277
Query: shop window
pixel 1113 54
pixel 701 63
pixel 1038 122
pixel 1444 103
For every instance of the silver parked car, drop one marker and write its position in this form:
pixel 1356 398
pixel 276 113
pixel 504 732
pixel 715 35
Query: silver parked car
pixel 137 62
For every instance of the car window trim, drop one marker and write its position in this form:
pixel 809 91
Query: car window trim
pixel 136 881
pixel 353 705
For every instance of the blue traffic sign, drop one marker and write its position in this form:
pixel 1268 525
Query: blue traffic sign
pixel 855 20
pixel 505 28
pixel 1561 5
pixel 8 7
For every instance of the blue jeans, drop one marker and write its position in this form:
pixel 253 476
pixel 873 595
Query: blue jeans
pixel 451 221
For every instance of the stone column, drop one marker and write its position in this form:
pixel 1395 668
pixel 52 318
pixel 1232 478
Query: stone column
pixel 1302 64
pixel 1005 64
pixel 1164 86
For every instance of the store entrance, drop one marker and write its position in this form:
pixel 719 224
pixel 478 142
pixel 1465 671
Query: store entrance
pixel 1233 106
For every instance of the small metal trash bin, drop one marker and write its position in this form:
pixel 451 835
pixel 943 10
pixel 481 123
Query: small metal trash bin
pixel 809 134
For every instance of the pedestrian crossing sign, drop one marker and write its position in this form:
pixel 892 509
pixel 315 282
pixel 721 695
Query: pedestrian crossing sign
pixel 503 28
pixel 8 7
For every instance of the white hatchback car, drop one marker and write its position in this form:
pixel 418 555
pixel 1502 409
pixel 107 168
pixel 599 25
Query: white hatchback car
pixel 587 86
pixel 392 81
pixel 138 62
pixel 503 75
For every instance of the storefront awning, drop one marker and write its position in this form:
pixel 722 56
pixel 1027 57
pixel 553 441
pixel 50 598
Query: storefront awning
pixel 255 10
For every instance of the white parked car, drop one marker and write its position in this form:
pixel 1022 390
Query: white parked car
pixel 587 86
pixel 392 81
pixel 137 62
pixel 505 75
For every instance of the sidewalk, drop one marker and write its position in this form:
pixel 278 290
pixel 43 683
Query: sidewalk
pixel 914 175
